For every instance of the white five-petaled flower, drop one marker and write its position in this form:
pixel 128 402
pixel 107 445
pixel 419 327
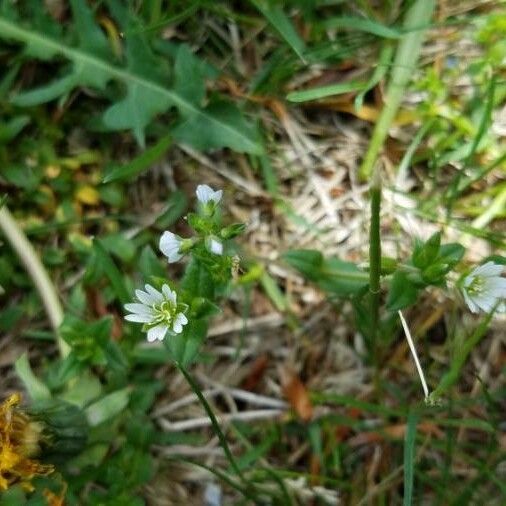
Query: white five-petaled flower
pixel 484 287
pixel 206 194
pixel 159 311
pixel 170 246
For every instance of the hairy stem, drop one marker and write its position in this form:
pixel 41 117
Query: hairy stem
pixel 375 256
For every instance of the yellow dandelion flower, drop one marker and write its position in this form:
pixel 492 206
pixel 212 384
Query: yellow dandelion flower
pixel 19 441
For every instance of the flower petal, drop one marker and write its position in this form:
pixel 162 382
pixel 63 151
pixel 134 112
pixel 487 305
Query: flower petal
pixel 204 193
pixel 178 323
pixel 138 318
pixel 139 309
pixel 145 297
pixel 169 246
pixel 157 333
pixel 154 293
pixel 472 306
pixel 169 294
pixel 214 246
pixel 496 287
pixel 489 269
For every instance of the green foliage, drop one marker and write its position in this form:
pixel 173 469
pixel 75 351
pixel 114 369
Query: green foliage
pixel 143 75
pixel 332 275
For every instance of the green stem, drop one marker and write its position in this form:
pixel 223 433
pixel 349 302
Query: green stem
pixel 375 256
pixel 216 426
pixel 37 273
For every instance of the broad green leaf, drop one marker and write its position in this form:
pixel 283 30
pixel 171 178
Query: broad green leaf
pixel 342 278
pixel 332 275
pixel 108 407
pixel 198 280
pixel 36 389
pixel 325 91
pixel 190 74
pixel 147 89
pixel 308 262
pixel 402 292
pixel 220 124
pixel 141 163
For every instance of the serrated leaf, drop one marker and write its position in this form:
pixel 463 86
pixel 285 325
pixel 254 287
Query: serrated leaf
pixel 221 124
pixel 190 74
pixel 144 77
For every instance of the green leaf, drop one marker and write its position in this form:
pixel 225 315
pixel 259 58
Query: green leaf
pixel 144 78
pixel 308 262
pixel 141 163
pixel 9 129
pixel 221 124
pixel 197 280
pixel 107 407
pixel 342 278
pixel 363 25
pixel 325 91
pixel 190 74
pixel 36 389
pixel 332 275
pixel 184 347
pixel 281 22
pixel 402 293
pixel 424 254
pixel 107 267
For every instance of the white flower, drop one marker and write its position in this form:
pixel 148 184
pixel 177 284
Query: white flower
pixel 170 245
pixel 206 194
pixel 214 245
pixel 484 287
pixel 159 311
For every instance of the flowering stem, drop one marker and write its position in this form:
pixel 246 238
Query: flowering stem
pixel 37 272
pixel 216 425
pixel 375 256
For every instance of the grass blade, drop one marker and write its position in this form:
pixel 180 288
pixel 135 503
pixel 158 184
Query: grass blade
pixel 409 459
pixel 281 22
pixel 406 58
pixel 141 163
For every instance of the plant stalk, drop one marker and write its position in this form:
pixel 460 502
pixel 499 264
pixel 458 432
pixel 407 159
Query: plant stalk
pixel 375 256
pixel 29 258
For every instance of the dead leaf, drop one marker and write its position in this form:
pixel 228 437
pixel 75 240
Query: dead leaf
pixel 296 394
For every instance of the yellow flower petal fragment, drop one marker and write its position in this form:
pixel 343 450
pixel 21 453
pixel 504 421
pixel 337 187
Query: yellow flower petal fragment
pixel 87 195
